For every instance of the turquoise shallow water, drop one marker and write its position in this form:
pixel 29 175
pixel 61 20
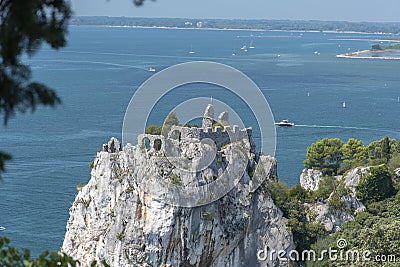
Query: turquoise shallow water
pixel 100 69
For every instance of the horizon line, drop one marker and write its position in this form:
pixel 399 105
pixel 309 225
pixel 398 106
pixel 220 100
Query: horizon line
pixel 236 19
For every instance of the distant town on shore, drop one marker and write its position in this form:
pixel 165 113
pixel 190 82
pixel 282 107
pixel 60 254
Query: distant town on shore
pixel 278 25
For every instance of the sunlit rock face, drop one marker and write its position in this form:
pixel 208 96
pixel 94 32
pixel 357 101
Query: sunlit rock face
pixel 310 179
pixel 320 211
pixel 125 217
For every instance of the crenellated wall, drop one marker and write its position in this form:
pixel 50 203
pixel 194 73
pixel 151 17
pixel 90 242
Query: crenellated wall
pixel 221 136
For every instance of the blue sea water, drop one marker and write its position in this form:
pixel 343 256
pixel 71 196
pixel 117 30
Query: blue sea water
pixel 100 69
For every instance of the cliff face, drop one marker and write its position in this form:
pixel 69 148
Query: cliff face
pixel 114 219
pixel 321 212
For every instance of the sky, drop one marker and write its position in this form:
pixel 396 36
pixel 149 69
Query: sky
pixel 339 10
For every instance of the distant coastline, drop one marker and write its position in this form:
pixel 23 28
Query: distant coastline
pixel 373 54
pixel 223 29
pixel 250 25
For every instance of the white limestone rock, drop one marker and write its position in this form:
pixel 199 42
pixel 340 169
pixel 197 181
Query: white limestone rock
pixel 352 178
pixel 223 117
pixel 332 220
pixel 112 219
pixel 310 179
pixel 208 118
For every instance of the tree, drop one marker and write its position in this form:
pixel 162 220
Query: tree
pixel 171 120
pixel 385 147
pixel 325 155
pixel 153 129
pixel 379 151
pixel 375 186
pixel 10 256
pixel 354 154
pixel 24 26
pixel 376 47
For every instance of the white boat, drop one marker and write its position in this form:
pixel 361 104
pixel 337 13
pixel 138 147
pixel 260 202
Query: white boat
pixel 2 228
pixel 152 69
pixel 284 123
pixel 191 50
pixel 252 45
pixel 344 104
pixel 244 47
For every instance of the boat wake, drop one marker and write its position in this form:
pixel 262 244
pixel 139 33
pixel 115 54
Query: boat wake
pixel 349 128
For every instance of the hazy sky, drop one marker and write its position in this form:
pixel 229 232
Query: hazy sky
pixel 350 10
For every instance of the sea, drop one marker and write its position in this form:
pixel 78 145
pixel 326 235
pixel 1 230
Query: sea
pixel 97 73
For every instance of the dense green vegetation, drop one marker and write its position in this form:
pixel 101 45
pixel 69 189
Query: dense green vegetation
pixel 153 129
pixel 375 230
pixel 378 47
pixel 291 202
pixel 284 25
pixel 332 156
pixel 25 25
pixel 325 155
pixel 12 257
pixel 375 186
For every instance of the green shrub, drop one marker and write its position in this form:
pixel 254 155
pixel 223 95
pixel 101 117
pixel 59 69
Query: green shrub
pixel 291 202
pixel 217 124
pixel 120 236
pixel 335 203
pixel 80 186
pixel 91 165
pixel 375 230
pixel 153 130
pixel 394 161
pixel 375 186
pixel 174 179
pixel 327 185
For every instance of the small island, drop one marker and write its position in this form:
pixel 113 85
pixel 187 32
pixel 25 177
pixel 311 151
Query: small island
pixel 377 51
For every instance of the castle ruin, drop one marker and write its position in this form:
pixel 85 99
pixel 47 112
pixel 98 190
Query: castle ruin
pixel 179 135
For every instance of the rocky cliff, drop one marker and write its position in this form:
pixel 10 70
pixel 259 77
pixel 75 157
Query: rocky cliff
pixel 117 219
pixel 320 211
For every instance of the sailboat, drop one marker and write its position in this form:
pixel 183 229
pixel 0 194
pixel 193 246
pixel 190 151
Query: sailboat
pixel 191 50
pixel 344 104
pixel 252 45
